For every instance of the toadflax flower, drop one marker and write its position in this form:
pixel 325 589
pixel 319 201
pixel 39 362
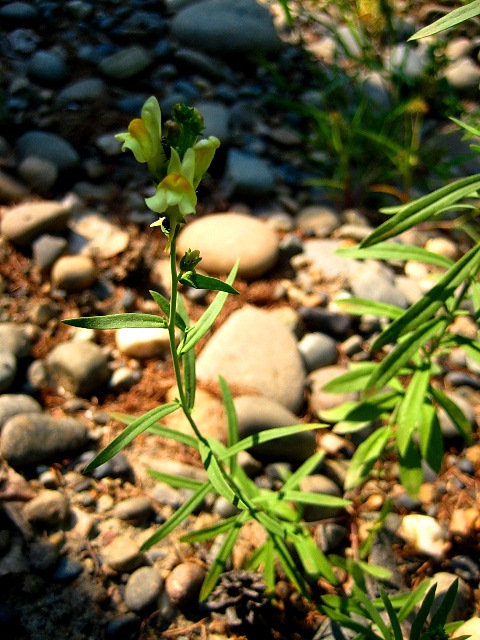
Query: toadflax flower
pixel 176 189
pixel 144 138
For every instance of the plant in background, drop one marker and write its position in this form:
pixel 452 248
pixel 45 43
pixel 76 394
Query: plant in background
pixel 177 161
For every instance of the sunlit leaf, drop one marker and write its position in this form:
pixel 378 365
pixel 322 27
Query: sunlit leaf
pixel 164 305
pixel 177 481
pixel 450 20
pixel 409 411
pixel 367 453
pixel 119 321
pixel 396 251
pixel 197 281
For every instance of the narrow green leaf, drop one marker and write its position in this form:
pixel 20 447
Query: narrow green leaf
pixel 320 499
pixel 267 436
pixel 441 614
pixel 303 471
pixel 364 306
pixel 164 305
pixel 396 251
pixel 409 411
pixel 232 422
pixel 412 600
pixel 379 573
pixel 312 558
pixel 475 293
pixel 181 482
pixel 353 380
pixel 273 504
pixel 373 613
pixel 206 321
pixel 119 321
pixel 422 614
pixel 188 359
pixel 422 209
pixel 217 476
pixel 411 472
pixel 179 516
pixel 363 412
pixel 367 453
pixel 405 349
pixel 269 565
pixel 392 616
pixel 197 281
pixel 475 131
pixel 219 564
pixel 289 566
pixel 431 439
pixel 172 434
pixel 364 629
pixel 133 430
pixel 450 20
pixel 452 409
pixel 207 533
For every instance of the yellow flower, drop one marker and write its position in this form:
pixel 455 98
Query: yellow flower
pixel 204 152
pixel 176 189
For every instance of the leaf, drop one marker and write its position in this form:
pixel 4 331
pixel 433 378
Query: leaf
pixel 303 470
pixel 371 610
pixel 220 562
pixel 172 434
pixel 232 423
pixel 312 558
pixel 397 632
pixel 403 352
pixel 367 453
pixel 422 614
pixel 422 209
pixel 319 499
pixel 396 251
pixel 164 305
pixel 197 281
pixel 181 482
pixel 426 307
pixel 179 516
pixel 411 472
pixel 409 411
pixel 454 412
pixel 450 20
pixel 412 600
pixel 207 533
pixel 380 573
pixel 362 412
pixel 217 476
pixel 206 321
pixel 188 359
pixel 364 306
pixel 353 380
pixel 119 321
pixel 440 616
pixel 288 564
pixel 133 430
pixel 431 440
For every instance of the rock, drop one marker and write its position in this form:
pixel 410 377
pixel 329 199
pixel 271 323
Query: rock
pixel 12 404
pixel 136 509
pixel 471 627
pixel 117 467
pixel 14 339
pixel 42 555
pixel 143 343
pixel 406 61
pixel 47 68
pixel 123 627
pixel 216 117
pixel 40 174
pixel 320 400
pixel 329 536
pixel 257 413
pixel 463 74
pixel 443 580
pixel 74 273
pixel 82 91
pixel 318 350
pixel 67 569
pixel 443 247
pixel 8 370
pixel 78 367
pixel 318 483
pixel 243 28
pixel 331 630
pixel 424 534
pixel 47 249
pixel 320 220
pixel 208 66
pixel 21 13
pixel 142 589
pixel 209 412
pixel 247 176
pixel 322 256
pixel 184 582
pixel 123 378
pixel 165 494
pixel 126 63
pixel 122 554
pixel 377 284
pixel 25 222
pixel 32 438
pixel 224 238
pixel 253 350
pixel 94 235
pixel 48 508
pixel 332 323
pixel 49 146
pixel 11 190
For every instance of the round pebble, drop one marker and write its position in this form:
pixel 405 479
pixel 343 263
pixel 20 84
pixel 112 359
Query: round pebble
pixel 74 273
pixel 318 350
pixel 184 582
pixel 8 370
pixel 48 508
pixel 122 554
pixel 142 589
pixel 142 343
pixel 78 367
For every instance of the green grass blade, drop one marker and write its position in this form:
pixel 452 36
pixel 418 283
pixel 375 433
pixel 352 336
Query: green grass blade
pixel 452 409
pixel 412 600
pixel 188 359
pixel 450 20
pixel 303 470
pixel 232 422
pixel 409 411
pixel 353 380
pixel 367 453
pixel 206 321
pixel 395 624
pixel 364 306
pixel 198 281
pixel 289 566
pixel 220 562
pixel 134 429
pixel 403 352
pixel 179 516
pixel 312 558
pixel 164 305
pixel 372 612
pixel 364 630
pixel 207 533
pixel 441 614
pixel 319 499
pixel 418 211
pixel 396 251
pixel 422 614
pixel 119 321
pixel 431 439
pixel 177 436
pixel 181 482
pixel 218 477
pixel 411 472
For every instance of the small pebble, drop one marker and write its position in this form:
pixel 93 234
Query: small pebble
pixel 184 582
pixel 142 589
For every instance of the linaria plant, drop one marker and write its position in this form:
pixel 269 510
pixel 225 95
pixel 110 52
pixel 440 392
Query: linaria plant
pixel 177 160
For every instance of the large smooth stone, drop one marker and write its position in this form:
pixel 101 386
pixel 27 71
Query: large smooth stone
pixel 257 414
pixel 253 350
pixel 74 273
pixel 224 238
pixel 24 223
pixel 49 146
pixel 79 367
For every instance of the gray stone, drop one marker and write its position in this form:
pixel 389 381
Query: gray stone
pixel 47 249
pixel 8 369
pixel 329 536
pixel 79 367
pixel 143 588
pixel 136 509
pixel 40 174
pixel 321 220
pixel 13 403
pixel 224 238
pixel 96 236
pixel 320 400
pixel 256 414
pixel 25 222
pixel 318 350
pixel 216 117
pixel 48 508
pixel 67 569
pixel 242 28
pixel 47 68
pixel 81 91
pixel 20 12
pixel 377 284
pixel 247 176
pixel 322 255
pixel 463 74
pixel 126 63
pixel 404 60
pixel 14 339
pixel 164 494
pixel 42 555
pixel 444 580
pixel 183 583
pixel 11 190
pixel 253 350
pixel 122 554
pixel 31 438
pixel 317 483
pixel 207 65
pixel 49 146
